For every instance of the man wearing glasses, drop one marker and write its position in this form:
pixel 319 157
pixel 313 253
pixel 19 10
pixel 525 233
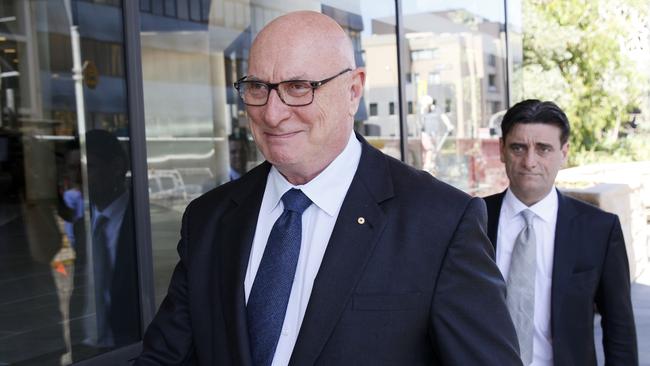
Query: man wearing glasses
pixel 330 252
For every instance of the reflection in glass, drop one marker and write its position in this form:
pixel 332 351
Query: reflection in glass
pixel 457 57
pixel 59 295
pixel 515 50
pixel 197 130
pixel 114 270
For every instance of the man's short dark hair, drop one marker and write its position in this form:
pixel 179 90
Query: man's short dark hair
pixel 536 111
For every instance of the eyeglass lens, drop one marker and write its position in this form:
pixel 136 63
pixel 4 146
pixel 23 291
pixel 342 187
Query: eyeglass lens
pixel 291 92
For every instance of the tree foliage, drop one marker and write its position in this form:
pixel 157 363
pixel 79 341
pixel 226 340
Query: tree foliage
pixel 583 54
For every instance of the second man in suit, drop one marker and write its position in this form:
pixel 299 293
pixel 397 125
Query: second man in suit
pixel 562 259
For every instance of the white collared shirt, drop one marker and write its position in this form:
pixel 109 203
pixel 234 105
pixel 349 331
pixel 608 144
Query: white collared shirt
pixel 327 192
pixel 511 222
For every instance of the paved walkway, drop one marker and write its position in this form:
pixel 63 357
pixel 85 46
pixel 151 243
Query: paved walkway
pixel 641 304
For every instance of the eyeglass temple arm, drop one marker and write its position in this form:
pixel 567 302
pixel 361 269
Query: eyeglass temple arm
pixel 316 84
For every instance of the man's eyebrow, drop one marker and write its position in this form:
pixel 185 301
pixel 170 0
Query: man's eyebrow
pixel 543 144
pixel 293 78
pixel 297 77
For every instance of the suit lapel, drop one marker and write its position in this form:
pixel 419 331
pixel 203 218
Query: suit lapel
pixel 235 238
pixel 350 245
pixel 493 204
pixel 564 257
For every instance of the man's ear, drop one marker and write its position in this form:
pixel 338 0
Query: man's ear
pixel 356 89
pixel 565 153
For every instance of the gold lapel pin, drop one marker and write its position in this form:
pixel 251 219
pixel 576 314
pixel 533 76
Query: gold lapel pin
pixel 361 220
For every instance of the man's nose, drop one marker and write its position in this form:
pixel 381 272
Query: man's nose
pixel 530 159
pixel 276 111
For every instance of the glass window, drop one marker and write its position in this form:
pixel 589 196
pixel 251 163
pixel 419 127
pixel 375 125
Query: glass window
pixel 515 51
pixel 423 54
pixel 197 129
pixel 492 60
pixel 157 7
pixel 460 45
pixel 66 213
pixel 391 108
pixel 183 9
pixel 373 109
pixel 492 82
pixel 195 10
pixel 145 5
pixel 170 8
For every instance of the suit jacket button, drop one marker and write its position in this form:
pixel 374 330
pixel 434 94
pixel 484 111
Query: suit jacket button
pixel 361 220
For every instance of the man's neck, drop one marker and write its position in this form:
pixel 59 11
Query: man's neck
pixel 530 200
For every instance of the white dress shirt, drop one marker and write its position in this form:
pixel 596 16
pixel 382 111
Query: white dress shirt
pixel 511 222
pixel 326 191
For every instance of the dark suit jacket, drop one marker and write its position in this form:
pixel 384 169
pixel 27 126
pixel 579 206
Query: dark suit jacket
pixel 123 316
pixel 590 268
pixel 415 284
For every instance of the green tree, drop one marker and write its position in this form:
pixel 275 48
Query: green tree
pixel 582 54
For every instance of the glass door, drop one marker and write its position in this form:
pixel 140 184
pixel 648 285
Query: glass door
pixel 68 277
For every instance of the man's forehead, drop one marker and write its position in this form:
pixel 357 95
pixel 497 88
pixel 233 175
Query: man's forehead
pixel 535 132
pixel 295 25
pixel 280 68
pixel 292 63
pixel 536 127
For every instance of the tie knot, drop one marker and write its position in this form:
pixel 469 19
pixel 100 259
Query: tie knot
pixel 101 220
pixel 295 200
pixel 528 216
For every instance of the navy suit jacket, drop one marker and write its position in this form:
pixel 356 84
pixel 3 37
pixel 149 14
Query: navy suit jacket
pixel 415 284
pixel 590 273
pixel 123 316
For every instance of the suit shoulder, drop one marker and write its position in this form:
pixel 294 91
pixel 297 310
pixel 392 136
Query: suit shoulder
pixel 424 187
pixel 493 199
pixel 221 196
pixel 212 198
pixel 589 210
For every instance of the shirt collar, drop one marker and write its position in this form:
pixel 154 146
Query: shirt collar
pixel 328 189
pixel 115 209
pixel 545 209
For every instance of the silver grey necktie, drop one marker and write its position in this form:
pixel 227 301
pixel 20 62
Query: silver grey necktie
pixel 521 287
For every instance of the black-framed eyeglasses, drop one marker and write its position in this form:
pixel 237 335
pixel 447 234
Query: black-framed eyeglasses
pixel 294 93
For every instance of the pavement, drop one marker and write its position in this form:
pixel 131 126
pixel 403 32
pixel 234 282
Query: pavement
pixel 641 305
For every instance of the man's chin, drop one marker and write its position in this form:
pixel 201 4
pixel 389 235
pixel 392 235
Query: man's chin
pixel 282 160
pixel 529 187
pixel 529 181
